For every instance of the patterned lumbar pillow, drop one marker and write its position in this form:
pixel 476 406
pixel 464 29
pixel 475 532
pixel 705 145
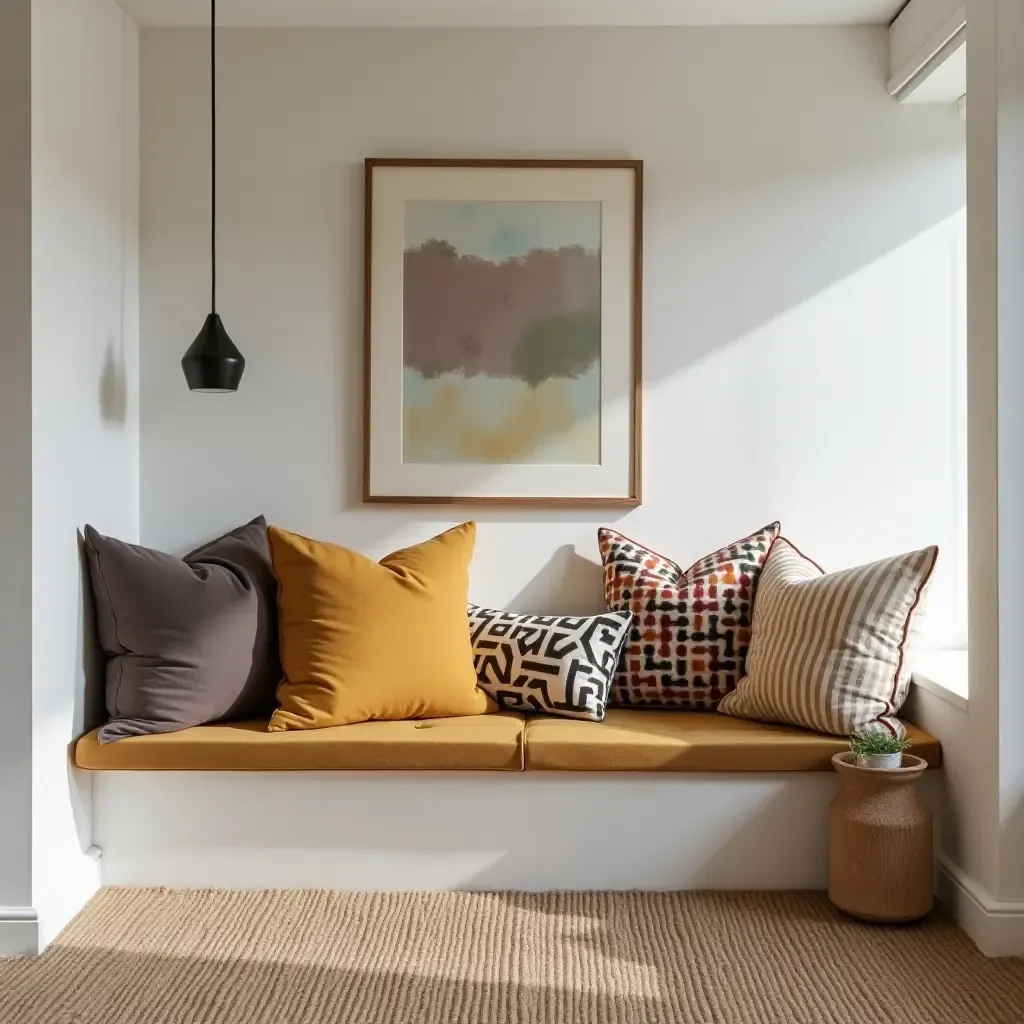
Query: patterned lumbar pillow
pixel 829 651
pixel 688 641
pixel 559 664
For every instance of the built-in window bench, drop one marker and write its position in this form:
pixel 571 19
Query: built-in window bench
pixel 643 800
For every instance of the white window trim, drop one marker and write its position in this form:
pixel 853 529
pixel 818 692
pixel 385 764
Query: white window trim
pixel 952 634
pixel 943 674
pixel 959 399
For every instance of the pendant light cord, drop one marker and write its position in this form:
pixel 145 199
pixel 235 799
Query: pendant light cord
pixel 213 156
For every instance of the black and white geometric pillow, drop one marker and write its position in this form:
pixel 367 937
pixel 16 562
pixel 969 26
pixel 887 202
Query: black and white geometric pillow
pixel 558 664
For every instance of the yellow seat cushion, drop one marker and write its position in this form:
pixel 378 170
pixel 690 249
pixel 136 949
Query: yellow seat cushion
pixel 480 743
pixel 628 740
pixel 364 640
pixel 645 740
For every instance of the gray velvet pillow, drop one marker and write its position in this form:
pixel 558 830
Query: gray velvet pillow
pixel 187 641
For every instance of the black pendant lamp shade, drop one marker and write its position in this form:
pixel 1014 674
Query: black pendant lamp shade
pixel 212 363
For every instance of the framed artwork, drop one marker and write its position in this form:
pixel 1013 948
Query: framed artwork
pixel 502 332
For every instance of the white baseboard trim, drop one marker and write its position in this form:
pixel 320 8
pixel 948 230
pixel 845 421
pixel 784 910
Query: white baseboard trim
pixel 19 931
pixel 997 927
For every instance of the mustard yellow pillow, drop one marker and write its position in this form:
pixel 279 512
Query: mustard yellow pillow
pixel 364 640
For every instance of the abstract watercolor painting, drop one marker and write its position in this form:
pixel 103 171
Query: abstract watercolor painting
pixel 502 333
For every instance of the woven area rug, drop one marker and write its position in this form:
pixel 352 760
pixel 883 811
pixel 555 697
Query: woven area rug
pixel 144 956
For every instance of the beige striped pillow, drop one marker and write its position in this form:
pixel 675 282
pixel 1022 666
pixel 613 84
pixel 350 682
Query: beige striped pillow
pixel 828 651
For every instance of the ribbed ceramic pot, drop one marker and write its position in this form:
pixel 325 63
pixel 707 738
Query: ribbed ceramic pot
pixel 880 842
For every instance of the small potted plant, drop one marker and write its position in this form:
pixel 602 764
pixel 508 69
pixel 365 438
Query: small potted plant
pixel 878 750
pixel 880 857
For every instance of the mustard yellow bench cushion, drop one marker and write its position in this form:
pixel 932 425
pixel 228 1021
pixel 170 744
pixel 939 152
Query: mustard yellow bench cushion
pixel 481 742
pixel 628 740
pixel 645 740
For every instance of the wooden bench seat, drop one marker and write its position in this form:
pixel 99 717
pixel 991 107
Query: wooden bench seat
pixel 629 740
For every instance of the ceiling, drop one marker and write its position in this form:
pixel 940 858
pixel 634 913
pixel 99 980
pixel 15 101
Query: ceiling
pixel 514 12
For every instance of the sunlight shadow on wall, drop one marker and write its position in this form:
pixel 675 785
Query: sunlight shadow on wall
pixel 568 584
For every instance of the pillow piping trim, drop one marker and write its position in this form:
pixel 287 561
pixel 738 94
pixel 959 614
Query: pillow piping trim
pixel 665 558
pixel 798 551
pixel 903 641
pixel 919 590
pixel 775 525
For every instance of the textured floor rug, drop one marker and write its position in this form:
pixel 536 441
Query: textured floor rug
pixel 145 956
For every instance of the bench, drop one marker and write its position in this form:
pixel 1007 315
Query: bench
pixel 646 799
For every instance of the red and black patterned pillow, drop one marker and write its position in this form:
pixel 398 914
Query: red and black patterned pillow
pixel 688 642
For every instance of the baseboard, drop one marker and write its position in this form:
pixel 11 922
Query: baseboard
pixel 996 927
pixel 19 931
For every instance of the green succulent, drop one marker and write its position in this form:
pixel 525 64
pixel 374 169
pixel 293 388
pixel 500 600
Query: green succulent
pixel 867 744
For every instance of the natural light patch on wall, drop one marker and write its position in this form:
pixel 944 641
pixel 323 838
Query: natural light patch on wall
pixel 845 418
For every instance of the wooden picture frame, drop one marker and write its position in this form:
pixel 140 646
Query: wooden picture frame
pixel 503 368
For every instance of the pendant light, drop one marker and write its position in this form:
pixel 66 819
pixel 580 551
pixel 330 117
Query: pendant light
pixel 212 363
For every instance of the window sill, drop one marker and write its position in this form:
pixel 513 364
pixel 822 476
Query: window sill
pixel 943 674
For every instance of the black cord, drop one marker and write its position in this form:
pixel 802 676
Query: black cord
pixel 213 156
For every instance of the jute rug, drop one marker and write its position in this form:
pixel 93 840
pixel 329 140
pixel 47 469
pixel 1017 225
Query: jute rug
pixel 143 956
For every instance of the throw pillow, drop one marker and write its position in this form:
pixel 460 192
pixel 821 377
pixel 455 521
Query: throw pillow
pixel 187 641
pixel 829 651
pixel 688 641
pixel 364 640
pixel 559 664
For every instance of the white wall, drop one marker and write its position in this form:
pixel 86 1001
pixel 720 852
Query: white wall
pixel 1009 219
pixel 797 226
pixel 983 871
pixel 85 438
pixel 17 926
pixel 996 195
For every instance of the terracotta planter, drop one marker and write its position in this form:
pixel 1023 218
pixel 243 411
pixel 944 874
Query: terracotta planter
pixel 880 842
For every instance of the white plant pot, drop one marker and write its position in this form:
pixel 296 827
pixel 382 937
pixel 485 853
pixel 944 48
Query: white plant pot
pixel 886 762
